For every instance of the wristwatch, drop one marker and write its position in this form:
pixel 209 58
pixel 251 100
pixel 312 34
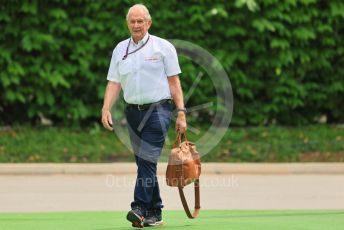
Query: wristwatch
pixel 182 110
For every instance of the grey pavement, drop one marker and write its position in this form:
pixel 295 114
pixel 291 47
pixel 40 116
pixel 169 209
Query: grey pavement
pixel 240 186
pixel 207 168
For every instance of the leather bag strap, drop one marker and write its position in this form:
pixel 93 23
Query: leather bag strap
pixel 197 201
pixel 179 139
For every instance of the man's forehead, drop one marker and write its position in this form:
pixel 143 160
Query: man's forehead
pixel 136 14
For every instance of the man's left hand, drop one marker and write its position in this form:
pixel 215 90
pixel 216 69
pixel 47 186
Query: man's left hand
pixel 181 122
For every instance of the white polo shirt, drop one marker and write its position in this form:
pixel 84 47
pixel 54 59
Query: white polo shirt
pixel 143 74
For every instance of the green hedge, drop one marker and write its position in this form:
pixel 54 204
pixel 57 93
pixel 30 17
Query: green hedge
pixel 284 58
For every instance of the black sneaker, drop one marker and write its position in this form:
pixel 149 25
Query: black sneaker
pixel 136 217
pixel 153 218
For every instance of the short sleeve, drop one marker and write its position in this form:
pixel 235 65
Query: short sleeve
pixel 113 74
pixel 171 63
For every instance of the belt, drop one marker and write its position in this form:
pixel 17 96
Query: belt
pixel 147 106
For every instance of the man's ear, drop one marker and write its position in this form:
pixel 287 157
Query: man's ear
pixel 149 23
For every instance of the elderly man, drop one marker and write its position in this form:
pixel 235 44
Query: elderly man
pixel 146 68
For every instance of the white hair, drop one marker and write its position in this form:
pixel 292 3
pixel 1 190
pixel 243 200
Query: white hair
pixel 142 7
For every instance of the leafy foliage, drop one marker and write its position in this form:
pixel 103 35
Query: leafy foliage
pixel 284 58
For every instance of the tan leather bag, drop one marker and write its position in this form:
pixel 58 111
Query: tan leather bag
pixel 184 167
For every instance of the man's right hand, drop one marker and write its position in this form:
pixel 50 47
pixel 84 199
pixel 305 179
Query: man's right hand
pixel 107 120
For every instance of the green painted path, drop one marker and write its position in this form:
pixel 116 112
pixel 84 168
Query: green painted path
pixel 208 220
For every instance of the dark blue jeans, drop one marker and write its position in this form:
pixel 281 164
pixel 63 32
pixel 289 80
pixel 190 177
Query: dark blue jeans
pixel 147 130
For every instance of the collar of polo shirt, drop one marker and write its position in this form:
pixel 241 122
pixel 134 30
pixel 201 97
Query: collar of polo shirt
pixel 141 42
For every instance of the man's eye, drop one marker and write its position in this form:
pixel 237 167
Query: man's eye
pixel 138 22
